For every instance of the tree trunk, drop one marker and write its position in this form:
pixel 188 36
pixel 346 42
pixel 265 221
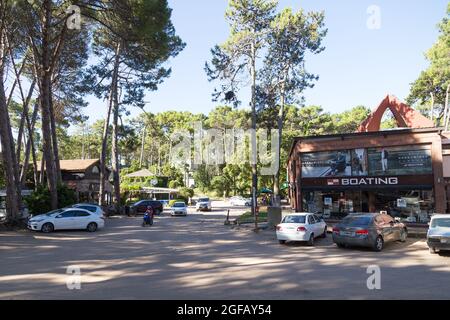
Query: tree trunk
pixel 276 178
pixel 103 172
pixel 115 149
pixel 141 159
pixel 13 193
pixel 54 140
pixel 254 156
pixel 30 149
pixel 45 103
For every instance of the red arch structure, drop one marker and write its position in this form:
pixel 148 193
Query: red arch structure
pixel 405 116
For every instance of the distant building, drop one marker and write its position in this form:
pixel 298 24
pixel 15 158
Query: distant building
pixel 83 176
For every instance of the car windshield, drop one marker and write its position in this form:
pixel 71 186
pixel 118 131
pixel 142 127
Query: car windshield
pixel 179 205
pixel 203 200
pixel 294 219
pixel 441 223
pixel 357 221
pixel 54 212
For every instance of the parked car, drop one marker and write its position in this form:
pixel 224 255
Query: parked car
pixel 141 206
pixel 91 208
pixel 178 209
pixel 438 237
pixel 67 219
pixel 371 230
pixel 240 201
pixel 203 204
pixel 301 227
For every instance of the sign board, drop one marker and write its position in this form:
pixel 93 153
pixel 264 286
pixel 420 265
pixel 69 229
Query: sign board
pixel 328 201
pixel 401 203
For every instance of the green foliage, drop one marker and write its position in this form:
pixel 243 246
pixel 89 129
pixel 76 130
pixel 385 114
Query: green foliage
pixel 186 193
pixel 39 201
pixel 172 202
pixel 349 121
pixel 433 82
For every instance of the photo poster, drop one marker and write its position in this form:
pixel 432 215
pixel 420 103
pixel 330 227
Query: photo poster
pixel 359 162
pixel 400 161
pixel 326 164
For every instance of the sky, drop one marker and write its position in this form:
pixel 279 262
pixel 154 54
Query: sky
pixel 362 62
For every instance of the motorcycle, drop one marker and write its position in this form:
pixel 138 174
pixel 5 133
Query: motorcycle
pixel 148 218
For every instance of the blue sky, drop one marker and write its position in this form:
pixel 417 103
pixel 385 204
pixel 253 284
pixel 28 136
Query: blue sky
pixel 359 66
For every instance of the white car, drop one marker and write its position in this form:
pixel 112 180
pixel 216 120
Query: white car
pixel 438 237
pixel 301 227
pixel 67 219
pixel 178 209
pixel 203 204
pixel 240 201
pixel 91 208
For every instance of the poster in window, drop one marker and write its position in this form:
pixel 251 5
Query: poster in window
pixel 400 161
pixel 326 164
pixel 359 162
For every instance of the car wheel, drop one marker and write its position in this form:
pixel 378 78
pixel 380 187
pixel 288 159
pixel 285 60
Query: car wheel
pixel 282 241
pixel 324 235
pixel 379 244
pixel 92 227
pixel 340 245
pixel 403 235
pixel 311 240
pixel 48 227
pixel 433 250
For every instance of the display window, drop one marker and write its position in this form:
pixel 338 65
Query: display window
pixel 415 206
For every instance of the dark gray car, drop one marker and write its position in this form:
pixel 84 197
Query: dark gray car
pixel 371 230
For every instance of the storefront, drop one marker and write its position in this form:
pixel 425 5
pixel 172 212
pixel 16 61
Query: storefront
pixel 398 171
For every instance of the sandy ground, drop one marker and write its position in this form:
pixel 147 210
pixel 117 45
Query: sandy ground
pixel 197 257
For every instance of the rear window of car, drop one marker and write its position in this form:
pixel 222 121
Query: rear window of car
pixel 294 219
pixel 88 208
pixel 203 200
pixel 441 222
pixel 81 214
pixel 357 221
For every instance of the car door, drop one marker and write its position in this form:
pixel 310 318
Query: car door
pixel 64 221
pixel 320 224
pixel 394 228
pixel 312 227
pixel 386 228
pixel 81 219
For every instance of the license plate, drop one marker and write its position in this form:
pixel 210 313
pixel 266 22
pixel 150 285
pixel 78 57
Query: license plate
pixel 347 234
pixel 444 241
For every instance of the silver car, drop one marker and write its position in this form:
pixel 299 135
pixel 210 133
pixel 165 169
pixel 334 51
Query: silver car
pixel 371 230
pixel 438 237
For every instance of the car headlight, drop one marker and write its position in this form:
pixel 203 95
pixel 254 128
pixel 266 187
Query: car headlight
pixel 39 220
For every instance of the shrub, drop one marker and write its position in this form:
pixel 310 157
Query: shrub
pixel 39 200
pixel 186 193
pixel 171 202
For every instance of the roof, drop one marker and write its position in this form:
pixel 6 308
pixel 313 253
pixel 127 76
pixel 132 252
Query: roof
pixel 144 173
pixel 439 216
pixel 299 214
pixel 408 120
pixel 76 165
pixel 342 136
